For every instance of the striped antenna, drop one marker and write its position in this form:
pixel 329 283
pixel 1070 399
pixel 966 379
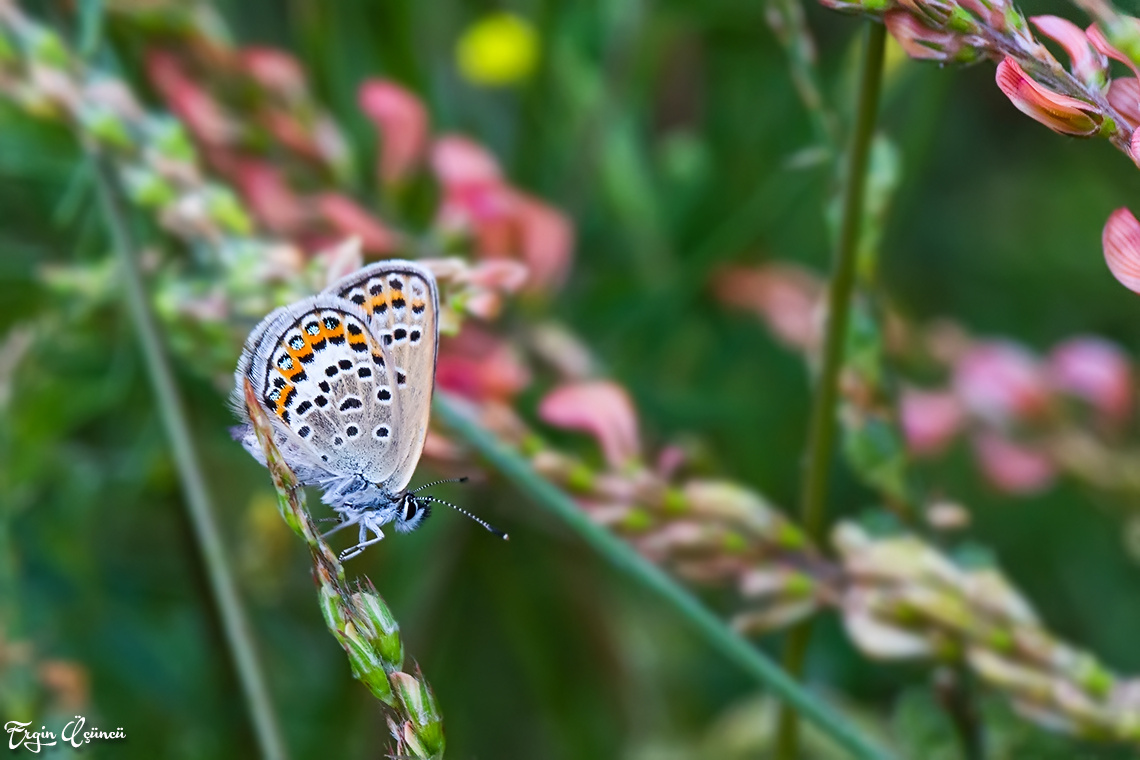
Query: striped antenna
pixel 461 510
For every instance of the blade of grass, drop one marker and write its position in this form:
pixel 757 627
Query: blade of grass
pixel 821 433
pixel 516 469
pixel 239 640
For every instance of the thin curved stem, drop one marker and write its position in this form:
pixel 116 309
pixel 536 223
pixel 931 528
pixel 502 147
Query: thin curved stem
pixel 235 625
pixel 516 469
pixel 821 433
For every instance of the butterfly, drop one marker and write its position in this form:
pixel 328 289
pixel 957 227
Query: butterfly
pixel 346 379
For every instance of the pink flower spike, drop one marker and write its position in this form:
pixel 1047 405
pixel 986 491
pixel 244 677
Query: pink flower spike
pixel 546 241
pixel 480 366
pixel 999 381
pixel 204 117
pixel 1134 146
pixel 600 408
pixel 1097 39
pixel 1011 467
pixel 275 70
pixel 1121 241
pixel 347 217
pixel 920 41
pixel 1095 370
pixel 784 296
pixel 459 161
pixel 1124 96
pixel 273 202
pixel 1088 64
pixel 1060 113
pixel 402 121
pixel 930 420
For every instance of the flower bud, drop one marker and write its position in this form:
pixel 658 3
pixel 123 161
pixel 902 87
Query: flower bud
pixel 419 704
pixel 921 42
pixel 1061 113
pixel 385 631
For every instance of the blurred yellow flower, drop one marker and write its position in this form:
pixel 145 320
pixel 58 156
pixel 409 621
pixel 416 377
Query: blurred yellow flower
pixel 498 49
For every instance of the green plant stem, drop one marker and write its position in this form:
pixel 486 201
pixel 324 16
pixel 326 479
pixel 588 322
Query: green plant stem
pixel 201 513
pixel 821 433
pixel 515 468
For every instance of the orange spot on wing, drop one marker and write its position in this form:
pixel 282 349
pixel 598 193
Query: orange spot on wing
pixel 286 392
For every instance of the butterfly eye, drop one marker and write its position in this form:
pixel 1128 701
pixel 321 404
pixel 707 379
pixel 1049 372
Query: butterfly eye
pixel 410 510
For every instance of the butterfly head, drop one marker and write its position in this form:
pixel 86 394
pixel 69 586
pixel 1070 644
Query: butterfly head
pixel 411 512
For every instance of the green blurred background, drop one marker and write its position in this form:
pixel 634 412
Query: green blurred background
pixel 670 133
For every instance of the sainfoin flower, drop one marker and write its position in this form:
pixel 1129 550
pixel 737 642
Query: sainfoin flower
pixel 480 366
pixel 1087 63
pixel 600 408
pixel 920 41
pixel 1096 371
pixel 785 296
pixel 929 419
pixel 503 221
pixel 348 218
pixel 275 70
pixel 402 122
pixel 1013 467
pixel 1121 241
pixel 1124 96
pixel 1000 381
pixel 1060 113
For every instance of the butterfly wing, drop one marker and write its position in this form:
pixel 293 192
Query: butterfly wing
pixel 324 380
pixel 402 302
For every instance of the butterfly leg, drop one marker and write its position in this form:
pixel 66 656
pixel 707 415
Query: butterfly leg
pixel 353 551
pixel 342 524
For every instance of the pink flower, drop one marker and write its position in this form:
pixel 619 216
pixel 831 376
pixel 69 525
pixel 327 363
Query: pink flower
pixel 1124 96
pixel 1087 63
pixel 273 202
pixel 505 223
pixel 206 120
pixel 920 41
pixel 600 408
pixel 480 366
pixel 348 218
pixel 1100 42
pixel 275 70
pixel 999 381
pixel 1011 467
pixel 785 296
pixel 545 241
pixel 1060 113
pixel 930 420
pixel 402 121
pixel 293 134
pixel 1096 371
pixel 1121 241
pixel 462 162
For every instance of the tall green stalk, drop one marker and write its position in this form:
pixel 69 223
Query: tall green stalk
pixel 235 625
pixel 821 433
pixel 515 468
